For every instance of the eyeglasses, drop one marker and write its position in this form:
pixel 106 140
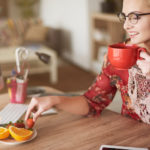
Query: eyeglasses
pixel 132 17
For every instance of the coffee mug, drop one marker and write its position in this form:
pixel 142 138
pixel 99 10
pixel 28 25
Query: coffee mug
pixel 123 56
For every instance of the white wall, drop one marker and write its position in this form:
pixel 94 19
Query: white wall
pixel 72 16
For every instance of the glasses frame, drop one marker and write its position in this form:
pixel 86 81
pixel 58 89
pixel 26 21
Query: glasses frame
pixel 136 14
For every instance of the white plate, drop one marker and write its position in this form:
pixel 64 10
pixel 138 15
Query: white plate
pixel 11 141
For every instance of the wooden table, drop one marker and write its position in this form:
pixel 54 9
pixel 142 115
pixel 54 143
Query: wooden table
pixel 64 131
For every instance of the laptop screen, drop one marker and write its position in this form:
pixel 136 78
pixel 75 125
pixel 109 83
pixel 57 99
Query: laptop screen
pixel 112 147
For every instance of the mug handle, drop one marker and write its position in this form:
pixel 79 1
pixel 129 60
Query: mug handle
pixel 139 51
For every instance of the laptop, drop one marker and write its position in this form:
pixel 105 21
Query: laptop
pixel 112 147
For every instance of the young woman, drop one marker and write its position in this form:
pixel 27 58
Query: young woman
pixel 134 84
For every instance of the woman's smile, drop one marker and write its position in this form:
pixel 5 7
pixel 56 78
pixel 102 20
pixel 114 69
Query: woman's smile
pixel 133 34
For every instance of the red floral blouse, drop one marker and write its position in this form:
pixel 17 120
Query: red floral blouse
pixel 134 88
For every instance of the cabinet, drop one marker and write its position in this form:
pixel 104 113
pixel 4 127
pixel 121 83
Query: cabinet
pixel 105 30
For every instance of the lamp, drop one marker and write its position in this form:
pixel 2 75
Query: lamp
pixel 45 58
pixel 24 53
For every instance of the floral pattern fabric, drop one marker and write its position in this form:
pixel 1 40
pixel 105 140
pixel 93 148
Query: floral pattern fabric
pixel 134 88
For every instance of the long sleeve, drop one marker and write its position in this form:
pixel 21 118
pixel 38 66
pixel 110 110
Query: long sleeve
pixel 100 94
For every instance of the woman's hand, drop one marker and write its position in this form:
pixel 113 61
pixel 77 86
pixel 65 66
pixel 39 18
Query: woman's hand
pixel 39 105
pixel 144 64
pixel 75 104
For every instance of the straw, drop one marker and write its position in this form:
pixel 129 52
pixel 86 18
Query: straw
pixel 26 74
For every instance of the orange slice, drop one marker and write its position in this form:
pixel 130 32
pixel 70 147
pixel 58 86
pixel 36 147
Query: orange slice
pixel 20 134
pixel 4 133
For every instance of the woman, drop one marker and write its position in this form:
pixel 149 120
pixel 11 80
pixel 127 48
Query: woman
pixel 135 95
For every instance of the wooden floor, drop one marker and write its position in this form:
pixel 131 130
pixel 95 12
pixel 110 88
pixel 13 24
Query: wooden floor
pixel 70 78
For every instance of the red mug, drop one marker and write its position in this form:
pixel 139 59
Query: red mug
pixel 123 56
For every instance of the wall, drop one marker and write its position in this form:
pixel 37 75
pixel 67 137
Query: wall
pixel 72 16
pixel 3 8
pixel 13 11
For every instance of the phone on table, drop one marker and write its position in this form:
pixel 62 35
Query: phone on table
pixel 112 147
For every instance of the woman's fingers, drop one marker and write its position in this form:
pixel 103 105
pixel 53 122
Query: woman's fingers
pixel 145 56
pixel 37 114
pixel 31 108
pixel 144 66
pixel 37 106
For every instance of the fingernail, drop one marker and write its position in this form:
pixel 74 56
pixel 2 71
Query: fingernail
pixel 34 119
pixel 25 118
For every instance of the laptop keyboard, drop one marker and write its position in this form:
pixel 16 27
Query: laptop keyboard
pixel 12 112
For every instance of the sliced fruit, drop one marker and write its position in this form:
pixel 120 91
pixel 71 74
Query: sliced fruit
pixel 19 124
pixel 9 124
pixel 4 133
pixel 20 134
pixel 30 123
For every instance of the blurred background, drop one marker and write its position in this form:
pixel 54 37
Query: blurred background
pixel 77 31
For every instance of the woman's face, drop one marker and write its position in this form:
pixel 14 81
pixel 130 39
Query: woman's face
pixel 139 32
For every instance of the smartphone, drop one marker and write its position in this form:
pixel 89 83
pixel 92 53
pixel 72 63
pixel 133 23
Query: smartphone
pixel 112 147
